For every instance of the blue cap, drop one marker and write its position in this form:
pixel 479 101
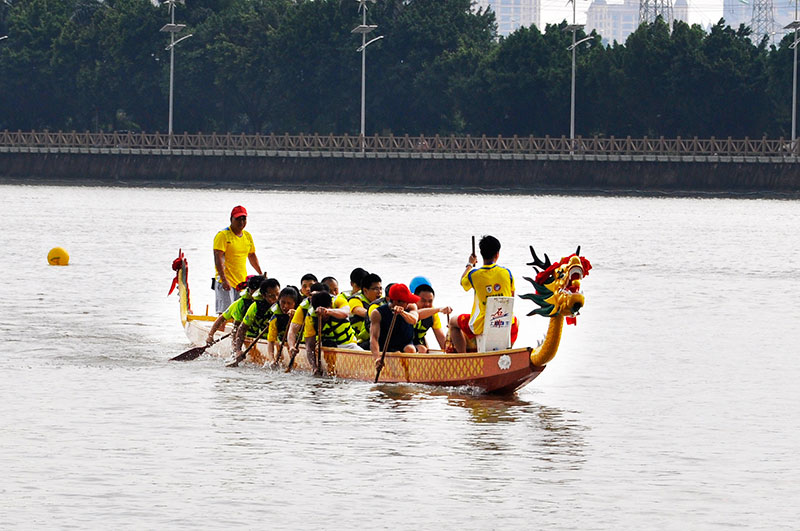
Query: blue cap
pixel 417 282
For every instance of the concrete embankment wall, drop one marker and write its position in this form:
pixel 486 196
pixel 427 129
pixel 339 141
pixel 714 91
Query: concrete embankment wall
pixel 376 170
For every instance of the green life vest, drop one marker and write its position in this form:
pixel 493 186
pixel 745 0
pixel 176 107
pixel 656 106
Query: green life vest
pixel 263 316
pixel 421 330
pixel 335 331
pixel 360 324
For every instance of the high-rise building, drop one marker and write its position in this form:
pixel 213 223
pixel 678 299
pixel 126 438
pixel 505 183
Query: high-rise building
pixel 614 22
pixel 513 14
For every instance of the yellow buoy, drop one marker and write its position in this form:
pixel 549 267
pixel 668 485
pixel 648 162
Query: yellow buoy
pixel 58 256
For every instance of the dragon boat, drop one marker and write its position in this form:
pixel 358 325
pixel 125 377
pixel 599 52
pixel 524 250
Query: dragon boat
pixel 558 296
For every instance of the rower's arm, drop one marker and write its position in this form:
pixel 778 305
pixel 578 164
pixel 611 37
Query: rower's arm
pixel 339 313
pixel 238 339
pixel 219 323
pixel 375 332
pixel 357 308
pixel 291 340
pixel 424 313
pixel 410 315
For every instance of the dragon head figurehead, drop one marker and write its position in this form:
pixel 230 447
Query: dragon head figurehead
pixel 558 285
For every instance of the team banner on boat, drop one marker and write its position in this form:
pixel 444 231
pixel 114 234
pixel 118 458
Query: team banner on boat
pixel 497 326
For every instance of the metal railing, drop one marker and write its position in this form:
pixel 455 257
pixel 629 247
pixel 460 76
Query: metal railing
pixel 611 146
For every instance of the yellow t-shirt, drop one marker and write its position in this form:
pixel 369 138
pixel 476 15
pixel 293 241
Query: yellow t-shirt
pixel 236 249
pixel 487 281
pixel 309 317
pixel 300 312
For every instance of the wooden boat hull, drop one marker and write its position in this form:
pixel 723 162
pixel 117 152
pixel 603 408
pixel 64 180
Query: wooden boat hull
pixel 500 372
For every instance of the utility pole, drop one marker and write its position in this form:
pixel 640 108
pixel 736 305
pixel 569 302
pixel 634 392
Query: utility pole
pixel 763 21
pixel 649 10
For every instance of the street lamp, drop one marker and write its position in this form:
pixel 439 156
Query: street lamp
pixel 794 26
pixel 172 29
pixel 363 29
pixel 574 27
pixel 3 37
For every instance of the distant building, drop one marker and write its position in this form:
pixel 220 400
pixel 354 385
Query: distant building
pixel 614 22
pixel 513 14
pixel 680 8
pixel 736 12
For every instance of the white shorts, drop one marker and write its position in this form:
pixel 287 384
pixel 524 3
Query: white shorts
pixel 351 346
pixel 224 297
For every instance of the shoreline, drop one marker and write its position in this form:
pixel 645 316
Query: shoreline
pixel 389 188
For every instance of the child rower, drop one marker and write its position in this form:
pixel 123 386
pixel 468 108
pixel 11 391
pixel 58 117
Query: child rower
pixel 237 309
pixel 359 303
pixel 258 315
pixel 288 299
pixel 336 330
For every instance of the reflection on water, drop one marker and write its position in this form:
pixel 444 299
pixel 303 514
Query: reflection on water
pixel 653 410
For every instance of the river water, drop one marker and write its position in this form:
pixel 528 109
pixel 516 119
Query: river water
pixel 672 404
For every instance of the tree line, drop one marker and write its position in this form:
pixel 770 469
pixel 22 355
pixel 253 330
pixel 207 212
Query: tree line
pixel 292 66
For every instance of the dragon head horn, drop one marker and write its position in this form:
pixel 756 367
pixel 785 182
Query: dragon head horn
pixel 578 251
pixel 537 262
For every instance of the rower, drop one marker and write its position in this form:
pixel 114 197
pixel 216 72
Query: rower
pixel 336 330
pixel 428 315
pixel 359 303
pixel 356 275
pixel 258 314
pixel 401 302
pixel 237 308
pixel 306 281
pixel 298 320
pixel 282 312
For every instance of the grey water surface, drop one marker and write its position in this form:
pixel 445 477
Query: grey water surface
pixel 673 404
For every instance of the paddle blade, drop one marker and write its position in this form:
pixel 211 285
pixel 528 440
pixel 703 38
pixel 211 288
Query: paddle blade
pixel 238 360
pixel 190 354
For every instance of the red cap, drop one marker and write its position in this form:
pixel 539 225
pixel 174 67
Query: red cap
pixel 238 211
pixel 401 293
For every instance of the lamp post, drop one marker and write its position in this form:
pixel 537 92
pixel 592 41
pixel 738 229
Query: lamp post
pixel 794 25
pixel 172 29
pixel 363 29
pixel 574 27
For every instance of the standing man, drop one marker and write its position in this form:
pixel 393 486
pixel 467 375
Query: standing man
pixel 489 280
pixel 231 247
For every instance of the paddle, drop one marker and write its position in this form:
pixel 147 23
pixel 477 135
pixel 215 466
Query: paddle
pixel 318 370
pixel 385 346
pixel 243 355
pixel 196 352
pixel 281 321
pixel 473 246
pixel 275 364
pixel 294 355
